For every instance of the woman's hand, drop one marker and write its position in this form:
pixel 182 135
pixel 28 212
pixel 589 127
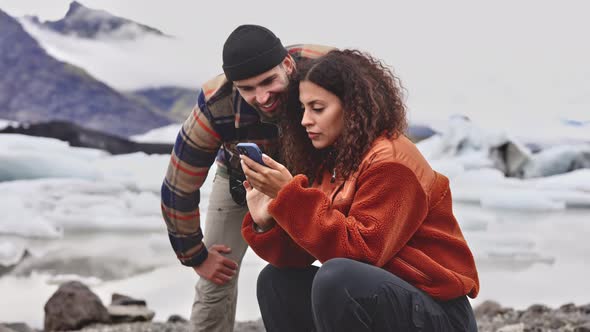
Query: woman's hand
pixel 269 179
pixel 258 207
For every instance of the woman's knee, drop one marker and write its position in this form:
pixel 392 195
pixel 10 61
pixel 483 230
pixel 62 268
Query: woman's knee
pixel 266 273
pixel 265 280
pixel 343 278
pixel 283 280
pixel 333 276
pixel 336 269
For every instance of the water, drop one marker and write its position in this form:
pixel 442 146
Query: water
pixel 534 257
pixel 522 258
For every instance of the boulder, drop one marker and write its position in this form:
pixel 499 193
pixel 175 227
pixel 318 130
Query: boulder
pixel 130 313
pixel 120 299
pixel 72 307
pixel 488 308
pixel 177 319
pixel 583 328
pixel 125 309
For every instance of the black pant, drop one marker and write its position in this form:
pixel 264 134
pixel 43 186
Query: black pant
pixel 346 295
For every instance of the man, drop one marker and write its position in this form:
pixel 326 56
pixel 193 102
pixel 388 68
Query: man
pixel 242 105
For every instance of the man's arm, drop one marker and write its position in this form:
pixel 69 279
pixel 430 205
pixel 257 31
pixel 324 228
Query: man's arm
pixel 194 152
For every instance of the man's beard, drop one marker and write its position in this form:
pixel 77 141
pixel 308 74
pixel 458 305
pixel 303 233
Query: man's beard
pixel 277 114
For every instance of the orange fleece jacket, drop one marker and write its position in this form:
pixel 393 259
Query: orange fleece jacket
pixel 394 212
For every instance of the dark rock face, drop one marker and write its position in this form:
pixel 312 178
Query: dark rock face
pixel 81 137
pixel 35 87
pixel 72 307
pixel 89 23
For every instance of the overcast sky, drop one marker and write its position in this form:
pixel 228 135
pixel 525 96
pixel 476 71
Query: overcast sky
pixel 385 27
pixel 529 54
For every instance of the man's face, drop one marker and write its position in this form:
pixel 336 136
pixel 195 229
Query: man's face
pixel 267 92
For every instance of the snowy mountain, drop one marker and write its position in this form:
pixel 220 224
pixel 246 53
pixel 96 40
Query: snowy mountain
pixel 123 54
pixel 84 22
pixel 35 87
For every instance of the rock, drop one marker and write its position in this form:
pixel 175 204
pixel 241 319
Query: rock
pixel 250 326
pixel 120 299
pixel 568 307
pixel 176 319
pixel 583 328
pixel 492 317
pixel 535 315
pixel 140 327
pixel 536 318
pixel 4 328
pixel 556 323
pixel 15 327
pixel 538 309
pixel 130 313
pixel 79 136
pixel 20 327
pixel 488 308
pixel 512 328
pixel 124 308
pixel 72 307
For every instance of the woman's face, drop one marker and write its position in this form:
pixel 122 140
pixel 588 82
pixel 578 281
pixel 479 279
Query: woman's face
pixel 323 116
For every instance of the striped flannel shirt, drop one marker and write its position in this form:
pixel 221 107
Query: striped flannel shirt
pixel 221 117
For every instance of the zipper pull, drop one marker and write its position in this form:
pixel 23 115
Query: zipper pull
pixel 333 179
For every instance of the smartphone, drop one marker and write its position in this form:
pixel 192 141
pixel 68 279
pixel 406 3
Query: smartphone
pixel 251 150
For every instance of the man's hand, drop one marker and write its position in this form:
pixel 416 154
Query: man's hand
pixel 217 268
pixel 269 179
pixel 258 207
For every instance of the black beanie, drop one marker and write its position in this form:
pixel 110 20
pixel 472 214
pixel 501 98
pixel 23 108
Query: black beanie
pixel 251 50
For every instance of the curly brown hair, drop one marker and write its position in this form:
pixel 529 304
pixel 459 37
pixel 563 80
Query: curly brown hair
pixel 372 103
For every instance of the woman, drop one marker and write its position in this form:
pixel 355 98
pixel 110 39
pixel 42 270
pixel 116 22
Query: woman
pixel 366 204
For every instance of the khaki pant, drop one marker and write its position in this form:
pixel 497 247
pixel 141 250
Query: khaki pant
pixel 214 308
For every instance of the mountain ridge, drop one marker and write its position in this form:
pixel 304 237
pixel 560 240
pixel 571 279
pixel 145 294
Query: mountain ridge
pixel 84 22
pixel 35 87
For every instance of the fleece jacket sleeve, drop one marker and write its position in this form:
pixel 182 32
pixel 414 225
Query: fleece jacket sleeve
pixel 388 207
pixel 275 246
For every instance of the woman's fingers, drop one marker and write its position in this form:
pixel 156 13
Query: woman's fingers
pixel 268 180
pixel 254 166
pixel 271 163
pixel 247 185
